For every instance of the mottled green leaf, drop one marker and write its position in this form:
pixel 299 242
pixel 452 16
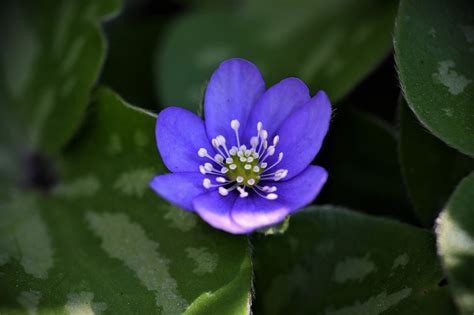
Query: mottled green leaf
pixel 330 45
pixel 364 174
pixel 336 262
pixel 52 52
pixel 103 241
pixel 434 45
pixel 455 233
pixel 430 168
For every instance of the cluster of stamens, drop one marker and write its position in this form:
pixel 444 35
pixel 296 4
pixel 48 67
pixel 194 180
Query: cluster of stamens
pixel 243 168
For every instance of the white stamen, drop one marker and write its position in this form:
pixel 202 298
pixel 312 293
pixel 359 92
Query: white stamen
pixel 243 159
pixel 272 196
pixel 208 167
pixel 202 170
pixel 233 150
pixel 219 158
pixel 221 180
pixel 250 159
pixel 242 191
pixel 254 142
pixel 248 166
pixel 263 165
pixel 229 160
pixel 223 191
pixel 202 152
pixel 221 140
pixel 239 179
pixel 233 166
pixel 276 139
pixel 224 170
pixel 259 127
pixel 256 169
pixel 251 181
pixel 280 158
pixel 206 183
pixel 235 124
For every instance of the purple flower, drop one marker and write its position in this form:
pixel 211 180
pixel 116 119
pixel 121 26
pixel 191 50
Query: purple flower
pixel 246 166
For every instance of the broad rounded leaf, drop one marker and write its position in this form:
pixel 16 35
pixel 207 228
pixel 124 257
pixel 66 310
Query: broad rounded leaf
pixel 330 46
pixel 434 48
pixel 103 241
pixel 52 52
pixel 430 168
pixel 336 262
pixel 455 233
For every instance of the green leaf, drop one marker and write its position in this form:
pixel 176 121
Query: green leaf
pixel 52 55
pixel 430 168
pixel 333 261
pixel 364 173
pixel 434 46
pixel 455 233
pixel 103 241
pixel 331 46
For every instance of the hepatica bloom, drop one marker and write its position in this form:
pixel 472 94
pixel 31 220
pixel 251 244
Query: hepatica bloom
pixel 247 165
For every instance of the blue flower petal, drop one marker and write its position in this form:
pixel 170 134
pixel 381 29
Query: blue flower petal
pixel 302 134
pixel 232 92
pixel 215 210
pixel 179 188
pixel 179 136
pixel 254 212
pixel 276 104
pixel 302 189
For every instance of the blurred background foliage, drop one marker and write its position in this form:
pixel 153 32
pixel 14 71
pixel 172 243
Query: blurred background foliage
pixel 73 150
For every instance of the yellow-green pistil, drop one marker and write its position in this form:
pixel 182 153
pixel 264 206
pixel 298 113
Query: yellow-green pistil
pixel 243 168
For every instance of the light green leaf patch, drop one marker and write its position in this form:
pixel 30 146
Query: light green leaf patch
pixel 337 262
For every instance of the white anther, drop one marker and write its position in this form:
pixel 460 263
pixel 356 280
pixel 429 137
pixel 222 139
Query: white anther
pixel 256 169
pixel 243 148
pixel 272 196
pixel 254 142
pixel 242 192
pixel 233 166
pixel 248 166
pixel 220 139
pixel 276 139
pixel 202 152
pixel 243 159
pixel 239 179
pixel 250 159
pixel 224 170
pixel 263 165
pixel 229 160
pixel 208 166
pixel 270 150
pixel 259 126
pixel 235 124
pixel 251 181
pixel 219 158
pixel 223 191
pixel 202 170
pixel 221 180
pixel 206 183
pixel 264 134
pixel 280 156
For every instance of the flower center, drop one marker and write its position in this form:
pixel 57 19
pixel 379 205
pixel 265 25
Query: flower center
pixel 241 167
